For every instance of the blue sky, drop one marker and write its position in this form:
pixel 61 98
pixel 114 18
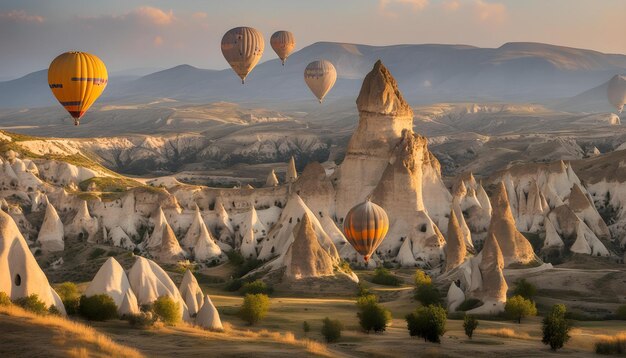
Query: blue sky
pixel 130 34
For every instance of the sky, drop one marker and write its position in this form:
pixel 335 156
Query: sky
pixel 142 35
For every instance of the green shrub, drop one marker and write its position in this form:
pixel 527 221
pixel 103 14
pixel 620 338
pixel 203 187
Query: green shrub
pixel 372 316
pixel 525 289
pixel 621 313
pixel 235 257
pixel 362 290
pixel 70 296
pixel 254 308
pixel 234 285
pixel 255 287
pixel 141 319
pixel 306 327
pixel 5 300
pixel 555 328
pixel 421 278
pixel 517 307
pixel 382 276
pixel 54 310
pixel 469 325
pixel 167 310
pixel 331 329
pixel 427 322
pixel 469 304
pixel 32 303
pixel 428 294
pixel 97 252
pixel 97 307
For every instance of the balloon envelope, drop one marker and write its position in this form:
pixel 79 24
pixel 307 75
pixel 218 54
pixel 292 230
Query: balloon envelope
pixel 283 43
pixel 77 79
pixel 243 47
pixel 365 227
pixel 617 92
pixel 320 76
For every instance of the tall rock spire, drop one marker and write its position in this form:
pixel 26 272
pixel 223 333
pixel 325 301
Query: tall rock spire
pixel 380 94
pixel 292 174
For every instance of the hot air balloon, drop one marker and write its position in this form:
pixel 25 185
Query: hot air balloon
pixel 365 227
pixel 77 79
pixel 243 47
pixel 320 76
pixel 617 92
pixel 283 42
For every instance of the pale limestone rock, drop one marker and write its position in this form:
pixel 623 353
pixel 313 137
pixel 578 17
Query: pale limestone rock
pixel 292 174
pixel 305 257
pixel 208 317
pixel 51 233
pixel 455 244
pixel 455 297
pixel 191 292
pixel 111 280
pixel 272 180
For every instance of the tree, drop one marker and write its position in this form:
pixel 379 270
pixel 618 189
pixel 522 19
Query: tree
pixel 421 278
pixel 254 308
pixel 427 322
pixel 70 296
pixel 167 310
pixel 469 325
pixel 525 289
pixel 517 307
pixel 255 287
pixel 372 316
pixel 427 294
pixel 97 307
pixel 331 329
pixel 556 328
pixel 382 276
pixel 306 327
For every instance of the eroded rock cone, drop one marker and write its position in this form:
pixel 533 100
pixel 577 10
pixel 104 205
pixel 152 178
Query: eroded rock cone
pixel 380 94
pixel 491 265
pixel 305 257
pixel 455 244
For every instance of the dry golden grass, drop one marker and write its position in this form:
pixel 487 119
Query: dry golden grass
pixel 615 344
pixel 73 332
pixel 504 333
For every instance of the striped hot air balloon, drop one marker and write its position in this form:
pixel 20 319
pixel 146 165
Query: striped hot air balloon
pixel 243 47
pixel 283 43
pixel 365 227
pixel 320 76
pixel 77 79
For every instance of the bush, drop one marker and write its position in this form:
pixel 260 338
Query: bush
pixel 427 294
pixel 525 289
pixel 621 313
pixel 362 290
pixel 70 296
pixel 97 252
pixel 382 276
pixel 141 320
pixel 5 300
pixel 32 303
pixel 428 323
pixel 234 285
pixel 254 308
pixel 167 310
pixel 306 327
pixel 54 310
pixel 517 307
pixel 331 329
pixel 469 325
pixel 469 304
pixel 556 328
pixel 372 316
pixel 421 278
pixel 97 307
pixel 235 257
pixel 612 344
pixel 256 287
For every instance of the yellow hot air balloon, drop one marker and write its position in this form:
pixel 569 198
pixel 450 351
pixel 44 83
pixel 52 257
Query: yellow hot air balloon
pixel 617 92
pixel 283 43
pixel 77 79
pixel 243 47
pixel 365 227
pixel 320 76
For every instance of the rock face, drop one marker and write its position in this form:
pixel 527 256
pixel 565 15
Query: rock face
pixel 191 293
pixel 111 280
pixel 82 225
pixel 292 174
pixel 494 286
pixel 455 297
pixel 455 244
pixel 305 257
pixel 51 233
pixel 169 251
pixel 208 317
pixel 20 275
pixel 272 180
pixel 515 248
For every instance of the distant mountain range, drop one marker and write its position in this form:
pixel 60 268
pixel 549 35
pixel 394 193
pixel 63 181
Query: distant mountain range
pixel 514 72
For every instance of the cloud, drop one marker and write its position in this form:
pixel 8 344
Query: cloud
pixel 395 7
pixel 158 41
pixel 154 15
pixel 486 11
pixel 451 5
pixel 200 15
pixel 20 16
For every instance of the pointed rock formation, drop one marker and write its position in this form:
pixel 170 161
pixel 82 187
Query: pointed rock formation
pixel 494 286
pixel 82 224
pixel 583 207
pixel 191 293
pixel 51 233
pixel 169 251
pixel 208 317
pixel 224 228
pixel 111 280
pixel 292 174
pixel 305 257
pixel 272 180
pixel 20 275
pixel 552 239
pixel 248 245
pixel 118 238
pixel 199 240
pixel 455 297
pixel 129 304
pixel 515 248
pixel 455 244
pixel 155 239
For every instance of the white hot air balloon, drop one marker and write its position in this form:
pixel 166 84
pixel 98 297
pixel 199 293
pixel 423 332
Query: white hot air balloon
pixel 617 92
pixel 243 47
pixel 320 76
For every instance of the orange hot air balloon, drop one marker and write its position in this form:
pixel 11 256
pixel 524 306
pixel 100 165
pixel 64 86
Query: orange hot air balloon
pixel 242 48
pixel 283 43
pixel 77 79
pixel 365 227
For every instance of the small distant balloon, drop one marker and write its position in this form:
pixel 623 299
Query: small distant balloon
pixel 77 79
pixel 617 92
pixel 320 76
pixel 283 43
pixel 365 227
pixel 243 47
